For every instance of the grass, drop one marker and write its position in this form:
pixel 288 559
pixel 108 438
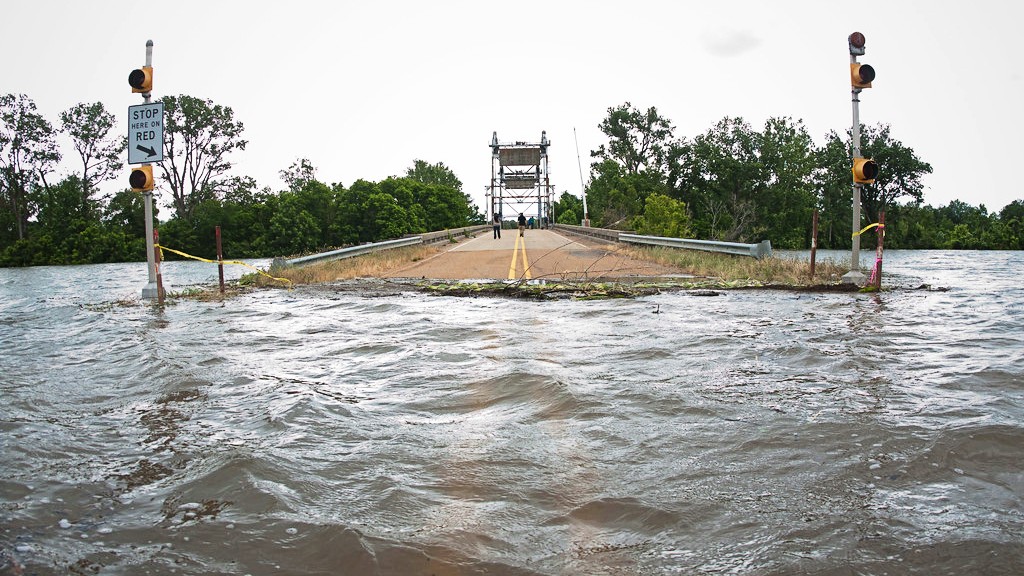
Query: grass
pixel 370 265
pixel 728 268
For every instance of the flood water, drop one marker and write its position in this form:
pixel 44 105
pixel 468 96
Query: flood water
pixel 331 431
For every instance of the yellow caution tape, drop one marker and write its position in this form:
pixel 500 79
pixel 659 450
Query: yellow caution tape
pixel 869 227
pixel 235 262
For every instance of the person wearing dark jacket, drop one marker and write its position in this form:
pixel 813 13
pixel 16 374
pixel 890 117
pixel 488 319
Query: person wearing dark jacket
pixel 522 224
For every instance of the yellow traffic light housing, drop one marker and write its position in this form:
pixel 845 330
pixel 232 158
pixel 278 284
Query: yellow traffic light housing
pixel 865 170
pixel 141 80
pixel 861 75
pixel 141 178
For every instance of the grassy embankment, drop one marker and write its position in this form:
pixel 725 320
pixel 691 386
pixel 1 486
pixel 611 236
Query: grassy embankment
pixel 741 269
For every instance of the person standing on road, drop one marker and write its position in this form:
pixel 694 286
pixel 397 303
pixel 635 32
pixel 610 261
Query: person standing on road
pixel 522 224
pixel 497 226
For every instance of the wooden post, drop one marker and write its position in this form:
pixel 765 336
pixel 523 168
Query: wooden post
pixel 814 241
pixel 220 261
pixel 878 251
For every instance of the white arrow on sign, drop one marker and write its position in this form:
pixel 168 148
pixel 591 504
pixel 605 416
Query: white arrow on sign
pixel 146 133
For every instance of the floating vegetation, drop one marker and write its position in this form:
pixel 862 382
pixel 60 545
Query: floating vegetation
pixel 545 290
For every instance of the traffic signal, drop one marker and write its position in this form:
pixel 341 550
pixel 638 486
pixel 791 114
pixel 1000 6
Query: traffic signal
pixel 141 80
pixel 856 44
pixel 141 178
pixel 861 75
pixel 865 170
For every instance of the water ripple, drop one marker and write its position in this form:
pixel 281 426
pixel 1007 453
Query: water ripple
pixel 319 431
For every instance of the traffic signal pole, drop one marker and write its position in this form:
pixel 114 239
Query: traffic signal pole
pixel 858 80
pixel 151 290
pixel 855 276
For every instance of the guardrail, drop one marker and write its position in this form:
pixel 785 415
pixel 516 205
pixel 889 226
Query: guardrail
pixel 431 237
pixel 348 252
pixel 352 251
pixel 600 233
pixel 760 250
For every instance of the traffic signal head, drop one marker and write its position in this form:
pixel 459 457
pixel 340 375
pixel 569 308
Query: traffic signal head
pixel 865 170
pixel 856 44
pixel 141 178
pixel 141 80
pixel 861 75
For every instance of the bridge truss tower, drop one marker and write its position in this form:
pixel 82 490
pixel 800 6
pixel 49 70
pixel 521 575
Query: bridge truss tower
pixel 520 180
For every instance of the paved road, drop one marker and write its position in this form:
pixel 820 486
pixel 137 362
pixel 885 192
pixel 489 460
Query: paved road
pixel 538 254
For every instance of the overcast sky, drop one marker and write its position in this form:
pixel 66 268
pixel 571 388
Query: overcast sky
pixel 363 88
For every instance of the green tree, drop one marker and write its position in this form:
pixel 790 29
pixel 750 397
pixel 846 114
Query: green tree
pixel 198 138
pixel 663 216
pixel 28 152
pixel 300 173
pixel 568 209
pixel 832 181
pixel 385 217
pixel 784 206
pixel 631 166
pixel 638 141
pixel 463 211
pixel 723 173
pixel 100 151
pixel 614 196
pixel 440 174
pixel 1012 217
pixel 126 212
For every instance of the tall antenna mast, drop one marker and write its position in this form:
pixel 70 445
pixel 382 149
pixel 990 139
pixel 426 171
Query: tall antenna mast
pixel 583 187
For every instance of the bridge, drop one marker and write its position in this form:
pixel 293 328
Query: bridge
pixel 538 254
pixel 562 253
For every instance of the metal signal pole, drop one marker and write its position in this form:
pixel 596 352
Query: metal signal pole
pixel 152 289
pixel 860 78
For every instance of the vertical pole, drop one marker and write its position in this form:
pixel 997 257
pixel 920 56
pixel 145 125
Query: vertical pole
pixel 583 187
pixel 156 264
pixel 814 241
pixel 220 260
pixel 496 200
pixel 544 201
pixel 152 289
pixel 855 276
pixel 855 252
pixel 878 250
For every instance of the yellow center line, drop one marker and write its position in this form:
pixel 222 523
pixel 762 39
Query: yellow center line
pixel 515 257
pixel 526 263
pixel 512 267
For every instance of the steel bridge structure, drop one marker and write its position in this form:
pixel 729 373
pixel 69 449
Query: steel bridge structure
pixel 519 176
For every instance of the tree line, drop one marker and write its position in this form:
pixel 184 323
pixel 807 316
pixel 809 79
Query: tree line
pixel 737 183
pixel 732 182
pixel 71 222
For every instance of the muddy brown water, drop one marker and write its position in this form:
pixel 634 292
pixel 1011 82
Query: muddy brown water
pixel 329 431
